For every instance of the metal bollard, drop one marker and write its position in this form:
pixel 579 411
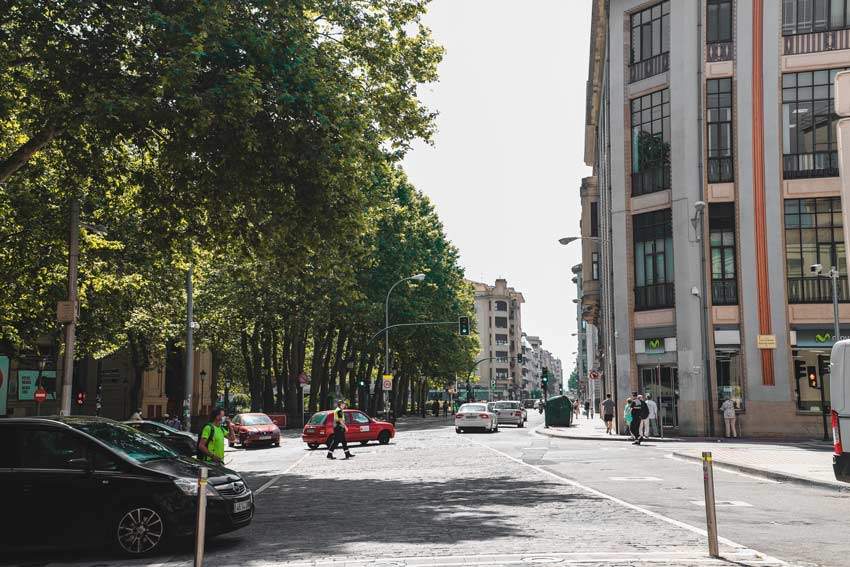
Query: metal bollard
pixel 710 514
pixel 201 520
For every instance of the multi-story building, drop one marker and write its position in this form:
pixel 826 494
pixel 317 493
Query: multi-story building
pixel 711 133
pixel 499 323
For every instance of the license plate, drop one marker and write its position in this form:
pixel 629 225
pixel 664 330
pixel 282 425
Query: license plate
pixel 471 417
pixel 311 429
pixel 241 506
pixel 364 428
pixel 265 438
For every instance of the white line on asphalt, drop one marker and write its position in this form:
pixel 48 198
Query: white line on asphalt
pixel 278 477
pixel 616 500
pixel 635 478
pixel 724 469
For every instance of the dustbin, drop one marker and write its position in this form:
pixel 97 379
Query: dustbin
pixel 559 411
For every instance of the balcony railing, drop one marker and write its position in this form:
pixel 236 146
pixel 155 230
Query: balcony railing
pixel 723 51
pixel 816 290
pixel 651 180
pixel 721 169
pixel 649 67
pixel 724 292
pixel 655 296
pixel 817 41
pixel 817 164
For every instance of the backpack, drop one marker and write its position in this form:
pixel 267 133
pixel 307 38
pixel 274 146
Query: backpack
pixel 200 454
pixel 644 410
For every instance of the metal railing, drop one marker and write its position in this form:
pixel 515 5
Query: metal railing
pixel 655 296
pixel 721 51
pixel 721 169
pixel 649 67
pixel 816 290
pixel 651 180
pixel 817 164
pixel 724 292
pixel 815 42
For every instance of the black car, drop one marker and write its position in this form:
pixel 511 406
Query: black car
pixel 82 481
pixel 184 443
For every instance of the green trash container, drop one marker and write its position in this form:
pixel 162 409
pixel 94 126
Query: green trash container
pixel 559 411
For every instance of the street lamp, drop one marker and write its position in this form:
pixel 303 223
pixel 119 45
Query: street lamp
pixel 201 404
pixel 227 395
pixel 418 278
pixel 569 239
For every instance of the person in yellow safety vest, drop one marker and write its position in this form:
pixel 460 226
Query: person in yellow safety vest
pixel 339 432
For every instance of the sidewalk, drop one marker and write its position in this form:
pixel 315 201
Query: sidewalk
pixel 591 429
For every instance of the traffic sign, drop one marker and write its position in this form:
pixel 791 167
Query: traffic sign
pixel 387 384
pixel 40 395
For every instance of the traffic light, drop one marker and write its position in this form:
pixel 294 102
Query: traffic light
pixel 800 370
pixel 813 377
pixel 81 398
pixel 824 365
pixel 361 383
pixel 545 376
pixel 519 358
pixel 463 326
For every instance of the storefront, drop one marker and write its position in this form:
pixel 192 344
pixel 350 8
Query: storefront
pixel 811 350
pixel 658 375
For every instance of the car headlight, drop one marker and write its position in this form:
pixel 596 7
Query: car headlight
pixel 189 487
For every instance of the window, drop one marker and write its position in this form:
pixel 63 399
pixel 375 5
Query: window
pixel 501 356
pixel 50 448
pixel 501 322
pixel 719 130
pixel 594 266
pixel 501 306
pixel 650 49
pixel 651 142
pixel 814 235
pixel 360 418
pixel 730 382
pixel 721 236
pixel 501 339
pixel 806 16
pixel 653 238
pixel 719 21
pixel 501 374
pixel 594 219
pixel 809 145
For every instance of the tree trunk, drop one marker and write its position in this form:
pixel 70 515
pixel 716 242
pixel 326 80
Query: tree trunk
pixel 256 378
pixel 139 362
pixel 268 391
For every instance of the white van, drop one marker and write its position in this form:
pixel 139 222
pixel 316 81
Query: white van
pixel 840 398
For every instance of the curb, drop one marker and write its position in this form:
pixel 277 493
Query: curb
pixel 770 475
pixel 540 430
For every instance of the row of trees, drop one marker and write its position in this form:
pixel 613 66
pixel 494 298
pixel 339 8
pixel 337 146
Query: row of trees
pixel 257 142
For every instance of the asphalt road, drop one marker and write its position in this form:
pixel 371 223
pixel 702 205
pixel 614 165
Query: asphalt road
pixel 515 497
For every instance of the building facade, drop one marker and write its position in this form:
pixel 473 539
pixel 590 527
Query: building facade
pixel 498 315
pixel 711 132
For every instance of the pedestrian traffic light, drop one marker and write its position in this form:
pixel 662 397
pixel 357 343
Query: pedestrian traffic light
pixel 545 376
pixel 81 398
pixel 813 377
pixel 463 326
pixel 824 365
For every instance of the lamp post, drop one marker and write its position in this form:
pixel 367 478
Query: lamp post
pixel 203 376
pixel 227 396
pixel 42 362
pixel 418 278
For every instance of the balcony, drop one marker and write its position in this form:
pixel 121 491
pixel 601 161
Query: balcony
pixel 724 292
pixel 658 296
pixel 817 164
pixel 816 290
pixel 721 51
pixel 651 180
pixel 649 67
pixel 814 42
pixel 721 169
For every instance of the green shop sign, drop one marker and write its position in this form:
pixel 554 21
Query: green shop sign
pixel 654 346
pixel 819 337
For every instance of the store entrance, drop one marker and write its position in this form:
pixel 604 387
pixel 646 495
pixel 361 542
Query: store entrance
pixel 663 383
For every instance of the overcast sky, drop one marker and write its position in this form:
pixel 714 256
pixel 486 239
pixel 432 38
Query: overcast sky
pixel 507 163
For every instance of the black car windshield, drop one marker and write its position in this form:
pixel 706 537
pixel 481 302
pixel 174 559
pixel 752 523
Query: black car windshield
pixel 127 441
pixel 255 420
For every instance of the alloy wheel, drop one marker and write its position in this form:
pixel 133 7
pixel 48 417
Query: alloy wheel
pixel 140 530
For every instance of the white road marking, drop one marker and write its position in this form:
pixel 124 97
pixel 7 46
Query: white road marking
pixel 278 477
pixel 635 507
pixel 724 503
pixel 720 467
pixel 635 478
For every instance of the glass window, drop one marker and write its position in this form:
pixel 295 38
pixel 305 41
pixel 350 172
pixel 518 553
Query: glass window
pixel 650 32
pixel 594 266
pixel 594 219
pixel 318 418
pixel 719 130
pixel 651 142
pixel 806 16
pixel 653 242
pixel 721 229
pixel 501 374
pixel 9 455
pixel 501 339
pixel 502 322
pixel 730 379
pixel 127 441
pixel 814 235
pixel 50 448
pixel 719 21
pixel 360 417
pixel 501 306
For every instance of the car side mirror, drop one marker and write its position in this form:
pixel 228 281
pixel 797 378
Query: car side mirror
pixel 80 463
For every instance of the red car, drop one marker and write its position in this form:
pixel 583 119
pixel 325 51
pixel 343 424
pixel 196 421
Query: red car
pixel 254 429
pixel 319 430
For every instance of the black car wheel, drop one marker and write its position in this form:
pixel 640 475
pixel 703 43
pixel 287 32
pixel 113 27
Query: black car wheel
pixel 140 530
pixel 384 437
pixel 458 430
pixel 313 446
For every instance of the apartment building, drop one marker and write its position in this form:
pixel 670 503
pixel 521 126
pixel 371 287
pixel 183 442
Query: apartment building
pixel 711 132
pixel 498 311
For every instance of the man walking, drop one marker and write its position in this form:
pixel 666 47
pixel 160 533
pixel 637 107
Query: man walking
pixel 652 417
pixel 637 411
pixel 587 409
pixel 607 411
pixel 339 431
pixel 211 439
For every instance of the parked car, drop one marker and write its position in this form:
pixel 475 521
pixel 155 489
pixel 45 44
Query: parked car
pixel 509 412
pixel 361 428
pixel 255 429
pixel 88 481
pixel 475 416
pixel 182 442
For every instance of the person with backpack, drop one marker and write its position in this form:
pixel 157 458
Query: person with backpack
pixel 211 439
pixel 639 411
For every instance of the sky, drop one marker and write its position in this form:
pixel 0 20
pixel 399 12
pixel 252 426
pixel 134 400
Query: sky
pixel 508 157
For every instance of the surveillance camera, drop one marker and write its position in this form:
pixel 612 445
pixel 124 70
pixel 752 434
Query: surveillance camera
pixel 699 206
pixel 816 268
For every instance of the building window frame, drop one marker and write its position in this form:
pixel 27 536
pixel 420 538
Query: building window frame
pixel 594 266
pixel 653 260
pixel 650 129
pixel 719 21
pixel 813 16
pixel 729 372
pixel 594 219
pixel 719 131
pixel 649 49
pixel 723 254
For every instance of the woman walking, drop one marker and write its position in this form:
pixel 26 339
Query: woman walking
pixel 627 415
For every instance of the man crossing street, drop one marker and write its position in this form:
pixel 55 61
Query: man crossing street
pixel 339 432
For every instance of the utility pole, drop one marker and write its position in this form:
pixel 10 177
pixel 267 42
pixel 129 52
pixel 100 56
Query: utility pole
pixel 71 325
pixel 190 359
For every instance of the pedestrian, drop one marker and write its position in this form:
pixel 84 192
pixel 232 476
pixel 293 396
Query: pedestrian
pixel 446 408
pixel 627 415
pixel 587 409
pixel 576 409
pixel 653 416
pixel 644 417
pixel 607 410
pixel 339 431
pixel 638 410
pixel 436 408
pixel 211 439
pixel 729 417
pixel 136 415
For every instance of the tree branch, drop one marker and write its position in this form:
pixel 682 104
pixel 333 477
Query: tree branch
pixel 22 155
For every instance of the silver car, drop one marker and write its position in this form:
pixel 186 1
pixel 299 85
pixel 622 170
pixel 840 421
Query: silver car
pixel 475 416
pixel 509 412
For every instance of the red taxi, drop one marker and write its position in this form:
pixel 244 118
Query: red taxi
pixel 320 429
pixel 255 429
